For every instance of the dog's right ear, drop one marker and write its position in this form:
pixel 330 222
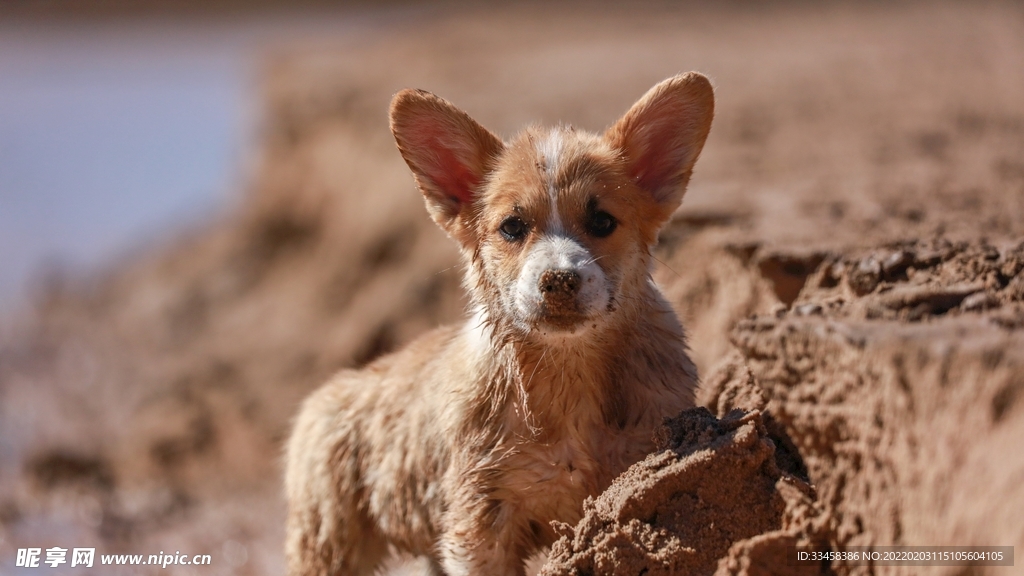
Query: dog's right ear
pixel 661 136
pixel 448 152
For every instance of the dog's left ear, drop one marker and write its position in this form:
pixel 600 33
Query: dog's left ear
pixel 661 136
pixel 449 154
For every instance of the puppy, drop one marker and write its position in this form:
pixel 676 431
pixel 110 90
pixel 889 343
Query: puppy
pixel 467 444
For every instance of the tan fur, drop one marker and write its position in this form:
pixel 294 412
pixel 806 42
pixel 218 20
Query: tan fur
pixel 467 444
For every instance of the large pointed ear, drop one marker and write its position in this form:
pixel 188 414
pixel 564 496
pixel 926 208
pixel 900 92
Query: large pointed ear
pixel 661 136
pixel 448 152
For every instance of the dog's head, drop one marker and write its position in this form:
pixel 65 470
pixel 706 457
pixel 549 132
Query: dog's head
pixel 558 223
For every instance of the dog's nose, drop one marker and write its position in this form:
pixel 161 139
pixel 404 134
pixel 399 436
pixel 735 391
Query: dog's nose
pixel 555 283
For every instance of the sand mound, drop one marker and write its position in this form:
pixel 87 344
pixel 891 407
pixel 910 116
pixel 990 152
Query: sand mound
pixel 715 483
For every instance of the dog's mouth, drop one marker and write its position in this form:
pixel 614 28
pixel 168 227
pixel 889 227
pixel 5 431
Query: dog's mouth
pixel 554 315
pixel 548 324
pixel 562 322
pixel 549 316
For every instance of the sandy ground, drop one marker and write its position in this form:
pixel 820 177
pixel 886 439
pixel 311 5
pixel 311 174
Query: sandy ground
pixel 848 263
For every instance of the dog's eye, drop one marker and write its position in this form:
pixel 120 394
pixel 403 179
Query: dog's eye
pixel 513 228
pixel 601 224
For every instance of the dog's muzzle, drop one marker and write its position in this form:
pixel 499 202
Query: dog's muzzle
pixel 559 291
pixel 560 285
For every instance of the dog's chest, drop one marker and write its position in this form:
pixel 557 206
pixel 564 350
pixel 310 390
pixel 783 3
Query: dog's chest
pixel 550 480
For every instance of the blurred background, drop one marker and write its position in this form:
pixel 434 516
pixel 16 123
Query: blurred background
pixel 121 120
pixel 203 214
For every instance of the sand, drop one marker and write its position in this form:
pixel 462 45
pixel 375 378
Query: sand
pixel 847 262
pixel 713 483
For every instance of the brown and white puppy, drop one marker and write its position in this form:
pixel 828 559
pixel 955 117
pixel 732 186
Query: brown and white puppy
pixel 467 444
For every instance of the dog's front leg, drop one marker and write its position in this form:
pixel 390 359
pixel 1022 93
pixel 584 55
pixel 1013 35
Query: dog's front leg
pixel 480 540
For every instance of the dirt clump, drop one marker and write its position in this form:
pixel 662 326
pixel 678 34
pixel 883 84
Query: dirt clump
pixel 713 483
